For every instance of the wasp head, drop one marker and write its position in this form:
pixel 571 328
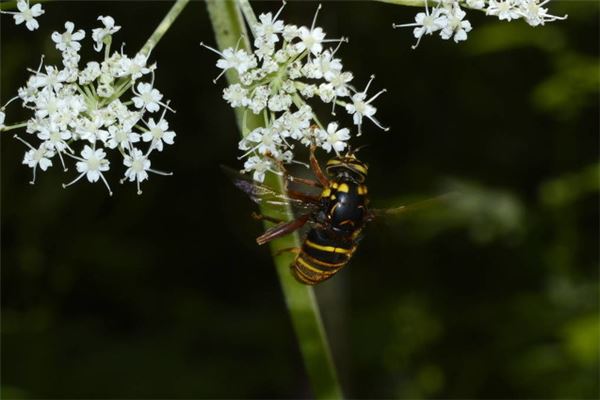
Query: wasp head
pixel 348 165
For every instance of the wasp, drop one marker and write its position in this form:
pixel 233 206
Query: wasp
pixel 337 216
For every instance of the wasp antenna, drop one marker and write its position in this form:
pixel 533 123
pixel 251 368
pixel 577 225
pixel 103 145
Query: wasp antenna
pixel 359 148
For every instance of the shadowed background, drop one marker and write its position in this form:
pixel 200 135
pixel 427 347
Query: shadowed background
pixel 167 295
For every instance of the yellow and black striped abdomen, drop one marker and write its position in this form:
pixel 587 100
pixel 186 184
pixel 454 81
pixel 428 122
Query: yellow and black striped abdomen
pixel 321 256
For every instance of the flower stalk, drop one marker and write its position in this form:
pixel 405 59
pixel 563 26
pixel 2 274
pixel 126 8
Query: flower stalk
pixel 11 127
pixel 409 3
pixel 228 25
pixel 164 26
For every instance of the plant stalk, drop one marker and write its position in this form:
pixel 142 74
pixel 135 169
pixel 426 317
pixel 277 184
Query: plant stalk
pixel 410 3
pixel 419 3
pixel 164 26
pixel 228 25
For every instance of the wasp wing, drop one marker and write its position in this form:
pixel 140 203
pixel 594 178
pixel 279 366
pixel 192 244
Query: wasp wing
pixel 262 194
pixel 411 207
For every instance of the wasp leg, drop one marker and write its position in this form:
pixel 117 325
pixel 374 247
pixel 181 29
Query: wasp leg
pixel 282 229
pixel 287 178
pixel 295 250
pixel 292 194
pixel 308 182
pixel 260 217
pixel 321 177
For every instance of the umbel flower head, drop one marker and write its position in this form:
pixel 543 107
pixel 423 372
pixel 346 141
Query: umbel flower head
pixel 86 113
pixel 447 16
pixel 288 70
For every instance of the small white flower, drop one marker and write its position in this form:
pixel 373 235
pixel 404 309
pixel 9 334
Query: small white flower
pixel 2 117
pixel 456 26
pixel 147 97
pixel 90 73
pixel 264 50
pixel 138 165
pixel 504 9
pixel 158 132
pixel 259 166
pixel 105 90
pixel 91 164
pixel 120 136
pixel 236 95
pixel 268 28
pixel 535 14
pixel 259 99
pixel 269 66
pixel 310 40
pixel 297 123
pixel 361 107
pixel 280 102
pixel 290 32
pixel 40 156
pixel 333 138
pixel 426 23
pixel 52 79
pixel 326 92
pixel 311 71
pixel 476 4
pixel 340 81
pixel 54 137
pixel 326 66
pixel 135 67
pixel 47 103
pixel 70 58
pixel 68 39
pixel 64 117
pixel 266 141
pixel 88 129
pixel 240 60
pixel 26 14
pixel 308 91
pixel 100 34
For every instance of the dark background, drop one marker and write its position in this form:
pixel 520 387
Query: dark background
pixel 166 295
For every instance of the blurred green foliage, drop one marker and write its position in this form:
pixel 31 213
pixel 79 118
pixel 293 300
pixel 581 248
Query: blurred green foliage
pixel 493 294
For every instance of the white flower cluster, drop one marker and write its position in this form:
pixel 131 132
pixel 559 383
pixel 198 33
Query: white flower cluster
pixel 447 16
pixel 289 67
pixel 26 14
pixel 83 113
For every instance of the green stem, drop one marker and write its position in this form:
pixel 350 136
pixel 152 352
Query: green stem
pixel 229 26
pixel 164 26
pixel 418 3
pixel 410 3
pixel 248 13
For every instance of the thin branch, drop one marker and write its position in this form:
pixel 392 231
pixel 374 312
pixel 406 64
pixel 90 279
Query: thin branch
pixel 164 26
